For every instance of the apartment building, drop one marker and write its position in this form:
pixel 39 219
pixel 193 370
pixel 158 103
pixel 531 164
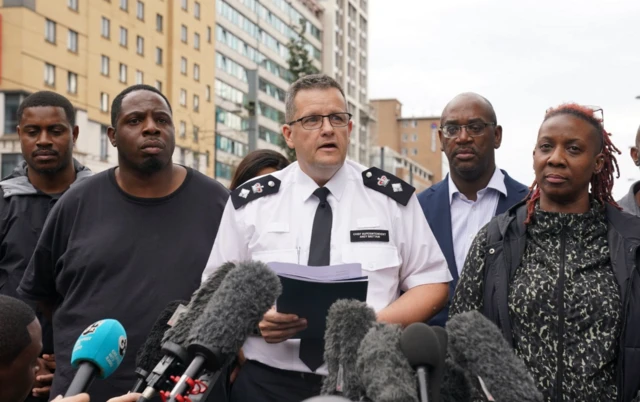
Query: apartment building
pixel 345 57
pixel 414 138
pixel 251 38
pixel 90 50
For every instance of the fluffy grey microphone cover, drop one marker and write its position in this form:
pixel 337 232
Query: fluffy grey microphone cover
pixel 384 370
pixel 455 387
pixel 236 308
pixel 479 348
pixel 180 330
pixel 348 321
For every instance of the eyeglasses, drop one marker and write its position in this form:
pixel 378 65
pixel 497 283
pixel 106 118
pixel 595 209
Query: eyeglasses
pixel 473 129
pixel 315 121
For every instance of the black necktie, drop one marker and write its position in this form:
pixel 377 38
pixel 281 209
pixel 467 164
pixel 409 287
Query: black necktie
pixel 311 350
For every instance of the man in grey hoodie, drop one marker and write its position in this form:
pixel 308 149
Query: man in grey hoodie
pixel 631 201
pixel 47 132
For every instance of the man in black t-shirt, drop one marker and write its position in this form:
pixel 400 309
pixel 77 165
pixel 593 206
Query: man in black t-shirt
pixel 125 242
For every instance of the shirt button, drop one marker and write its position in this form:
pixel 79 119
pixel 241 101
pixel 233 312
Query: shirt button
pixel 492 251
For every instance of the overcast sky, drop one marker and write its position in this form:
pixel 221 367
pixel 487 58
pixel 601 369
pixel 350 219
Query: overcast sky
pixel 524 56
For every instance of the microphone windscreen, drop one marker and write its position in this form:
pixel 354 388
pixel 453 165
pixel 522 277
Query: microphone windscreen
pixel 327 398
pixel 179 332
pixel 421 346
pixel 478 347
pixel 455 387
pixel 151 353
pixel 348 321
pixel 383 368
pixel 102 344
pixel 236 308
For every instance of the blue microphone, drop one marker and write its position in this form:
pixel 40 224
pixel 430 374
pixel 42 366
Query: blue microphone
pixel 98 352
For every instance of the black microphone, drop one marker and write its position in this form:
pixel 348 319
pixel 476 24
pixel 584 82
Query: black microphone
pixel 478 347
pixel 419 343
pixel 98 352
pixel 150 354
pixel 348 321
pixel 174 354
pixel 231 314
pixel 384 370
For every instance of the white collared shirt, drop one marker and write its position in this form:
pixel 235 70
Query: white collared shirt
pixel 468 216
pixel 277 227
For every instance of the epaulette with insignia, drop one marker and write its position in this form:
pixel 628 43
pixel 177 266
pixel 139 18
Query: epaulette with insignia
pixel 253 190
pixel 388 184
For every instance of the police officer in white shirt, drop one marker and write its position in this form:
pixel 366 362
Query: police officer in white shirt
pixel 349 215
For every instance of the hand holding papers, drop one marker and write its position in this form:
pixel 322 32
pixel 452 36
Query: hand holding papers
pixel 308 292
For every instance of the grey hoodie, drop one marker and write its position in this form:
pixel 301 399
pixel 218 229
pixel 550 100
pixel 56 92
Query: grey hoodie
pixel 628 202
pixel 23 211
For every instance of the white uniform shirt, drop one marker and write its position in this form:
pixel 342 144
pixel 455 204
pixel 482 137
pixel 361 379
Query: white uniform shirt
pixel 277 227
pixel 468 216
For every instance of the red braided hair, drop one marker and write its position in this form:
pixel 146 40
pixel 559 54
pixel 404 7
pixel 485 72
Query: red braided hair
pixel 601 183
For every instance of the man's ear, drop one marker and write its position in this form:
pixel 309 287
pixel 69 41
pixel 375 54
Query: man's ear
pixel 287 133
pixel 75 132
pixel 635 155
pixel 111 133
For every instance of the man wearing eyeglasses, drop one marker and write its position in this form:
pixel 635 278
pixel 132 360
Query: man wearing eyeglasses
pixel 475 190
pixel 326 210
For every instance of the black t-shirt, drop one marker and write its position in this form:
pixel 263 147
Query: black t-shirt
pixel 106 254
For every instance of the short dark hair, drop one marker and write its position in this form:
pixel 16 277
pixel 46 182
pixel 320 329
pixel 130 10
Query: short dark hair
pixel 311 81
pixel 15 316
pixel 48 98
pixel 254 163
pixel 116 105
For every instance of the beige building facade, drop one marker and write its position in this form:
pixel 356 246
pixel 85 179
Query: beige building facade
pixel 90 50
pixel 413 138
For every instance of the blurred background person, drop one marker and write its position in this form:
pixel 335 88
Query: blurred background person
pixel 558 273
pixel 631 201
pixel 258 163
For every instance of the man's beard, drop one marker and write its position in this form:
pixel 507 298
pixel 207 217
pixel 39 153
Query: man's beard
pixel 151 165
pixel 49 171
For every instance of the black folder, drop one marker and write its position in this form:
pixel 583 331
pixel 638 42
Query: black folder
pixel 311 299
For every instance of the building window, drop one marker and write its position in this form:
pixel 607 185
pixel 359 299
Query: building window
pixel 208 34
pixel 414 137
pixel 159 85
pixel 196 10
pixel 49 74
pixel 196 131
pixel 196 41
pixel 182 130
pixel 50 31
pixel 158 22
pixel 183 65
pixel 182 156
pixel 106 27
pixel 196 103
pixel 404 151
pixel 72 41
pixel 405 137
pixel 123 36
pixel 434 137
pixel 196 72
pixel 72 82
pixel 415 151
pixel 124 5
pixel 9 162
pixel 183 97
pixel 158 56
pixel 73 4
pixel 139 77
pixel 123 73
pixel 11 104
pixel 207 93
pixel 183 33
pixel 184 4
pixel 224 171
pixel 104 65
pixel 104 143
pixel 196 160
pixel 104 102
pixel 140 10
pixel 140 45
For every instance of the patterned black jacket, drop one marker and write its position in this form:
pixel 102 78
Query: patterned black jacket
pixel 603 248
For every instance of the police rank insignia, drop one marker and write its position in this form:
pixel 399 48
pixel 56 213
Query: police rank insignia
pixel 253 190
pixel 388 184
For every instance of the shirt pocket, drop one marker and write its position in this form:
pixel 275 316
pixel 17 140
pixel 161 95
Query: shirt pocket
pixel 284 255
pixel 372 257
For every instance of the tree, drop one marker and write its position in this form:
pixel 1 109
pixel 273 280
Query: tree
pixel 300 64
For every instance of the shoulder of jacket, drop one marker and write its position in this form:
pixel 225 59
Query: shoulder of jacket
pixel 254 189
pixel 388 184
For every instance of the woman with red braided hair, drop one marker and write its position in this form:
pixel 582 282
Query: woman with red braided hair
pixel 558 273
